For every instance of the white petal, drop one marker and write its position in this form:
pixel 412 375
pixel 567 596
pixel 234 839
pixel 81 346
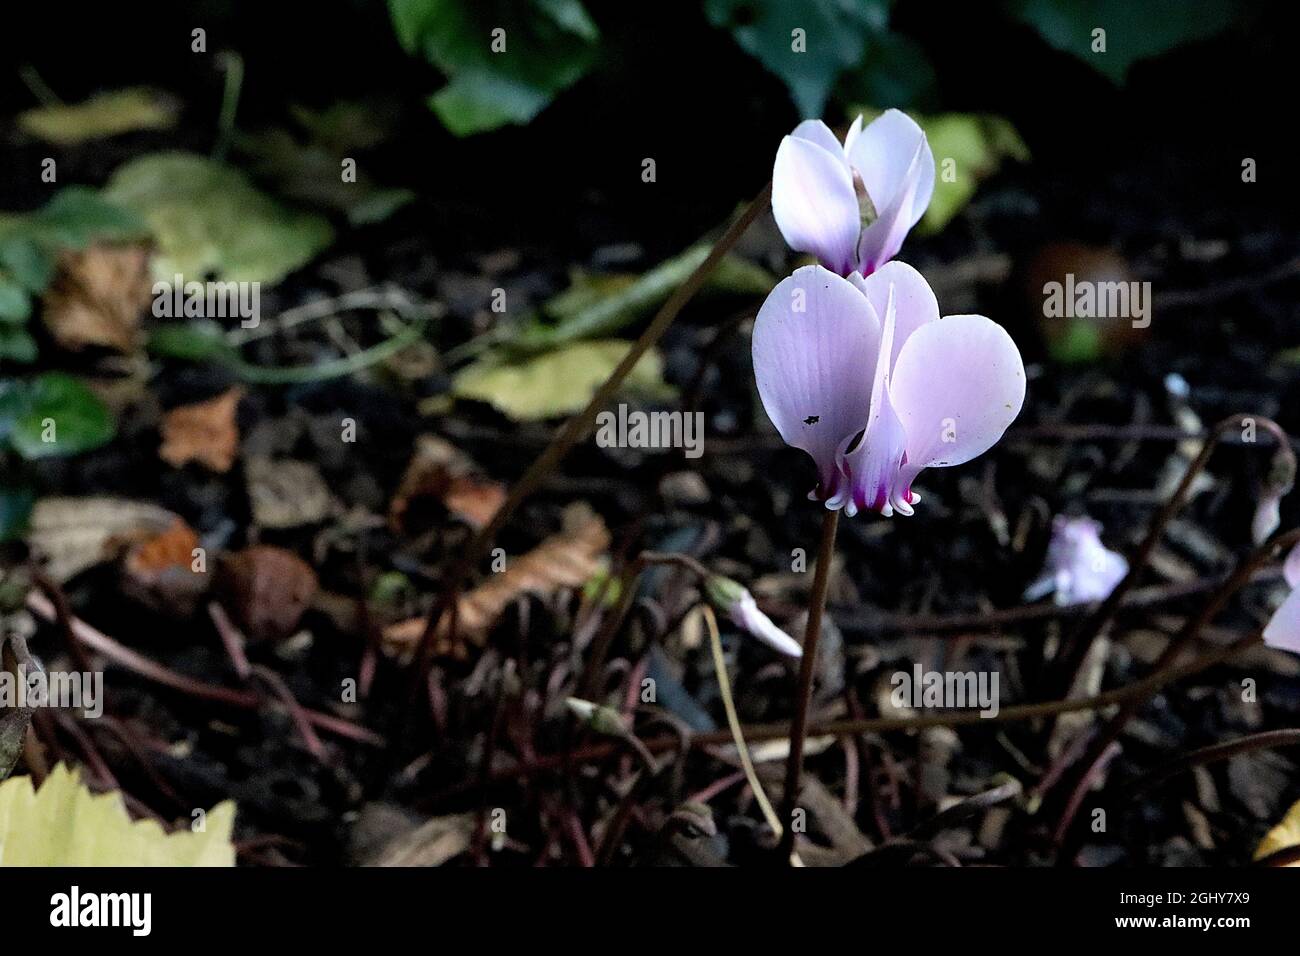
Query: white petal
pixel 814 203
pixel 958 383
pixel 882 153
pixel 1283 629
pixel 914 300
pixel 815 339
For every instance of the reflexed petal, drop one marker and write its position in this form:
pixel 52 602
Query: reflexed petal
pixel 819 134
pixel 745 614
pixel 914 300
pixel 873 466
pixel 882 154
pixel 882 239
pixel 1283 628
pixel 958 383
pixel 814 203
pixel 1291 567
pixel 811 366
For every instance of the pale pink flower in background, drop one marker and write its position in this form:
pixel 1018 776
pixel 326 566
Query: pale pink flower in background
pixel 864 376
pixel 852 205
pixel 1079 568
pixel 1283 628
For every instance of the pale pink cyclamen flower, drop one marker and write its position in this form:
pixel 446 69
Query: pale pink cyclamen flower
pixel 734 600
pixel 1283 628
pixel 852 205
pixel 1079 568
pixel 864 376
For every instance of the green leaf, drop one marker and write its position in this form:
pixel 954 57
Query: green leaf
pixel 79 215
pixel 1133 31
pixel 599 305
pixel 556 383
pixel 27 264
pixel 15 303
pixel 550 44
pixel 16 345
pixel 15 509
pixel 101 116
pixel 64 824
pixel 199 341
pixel 208 218
pixel 836 33
pixel 52 405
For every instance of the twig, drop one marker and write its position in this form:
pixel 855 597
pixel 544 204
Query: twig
pixel 100 642
pixel 577 426
pixel 798 726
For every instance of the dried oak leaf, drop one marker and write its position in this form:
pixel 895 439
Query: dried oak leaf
pixel 160 571
pixel 266 589
pixel 97 297
pixel 565 560
pixel 440 470
pixel 205 432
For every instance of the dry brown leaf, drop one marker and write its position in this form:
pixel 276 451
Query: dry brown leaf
pixel 97 297
pixel 73 534
pixel 160 571
pixel 205 432
pixel 565 560
pixel 285 493
pixel 432 843
pixel 440 470
pixel 266 589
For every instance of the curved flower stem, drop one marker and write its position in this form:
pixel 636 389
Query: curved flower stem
pixel 577 426
pixel 1075 649
pixel 1111 732
pixel 807 664
pixel 733 722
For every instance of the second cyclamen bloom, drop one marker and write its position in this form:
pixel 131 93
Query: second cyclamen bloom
pixel 852 205
pixel 864 376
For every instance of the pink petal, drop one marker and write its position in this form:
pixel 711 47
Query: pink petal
pixel 1283 628
pixel 746 615
pixel 882 239
pixel 814 203
pixel 883 152
pixel 913 299
pixel 819 134
pixel 810 365
pixel 873 466
pixel 1291 567
pixel 958 383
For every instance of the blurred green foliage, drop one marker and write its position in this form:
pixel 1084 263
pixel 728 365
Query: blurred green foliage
pixel 505 60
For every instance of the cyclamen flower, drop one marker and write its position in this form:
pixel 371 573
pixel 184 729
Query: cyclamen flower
pixel 1283 628
pixel 852 205
pixel 864 376
pixel 734 600
pixel 1079 568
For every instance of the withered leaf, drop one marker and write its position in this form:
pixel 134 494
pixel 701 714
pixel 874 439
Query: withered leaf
pixel 266 589
pixel 564 560
pixel 160 571
pixel 73 534
pixel 97 297
pixel 205 432
pixel 440 470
